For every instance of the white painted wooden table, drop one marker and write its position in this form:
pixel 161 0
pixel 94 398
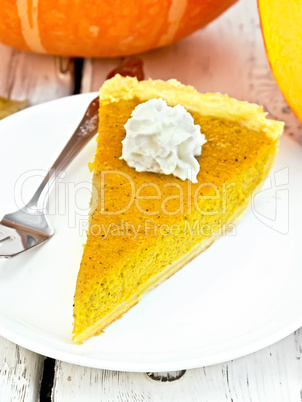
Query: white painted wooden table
pixel 227 56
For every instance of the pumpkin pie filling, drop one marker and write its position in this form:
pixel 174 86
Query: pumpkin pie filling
pixel 145 226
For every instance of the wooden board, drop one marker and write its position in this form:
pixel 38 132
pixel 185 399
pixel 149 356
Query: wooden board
pixel 20 373
pixel 273 374
pixel 227 56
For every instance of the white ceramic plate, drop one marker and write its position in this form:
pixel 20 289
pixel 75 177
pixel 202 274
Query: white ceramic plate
pixel 242 294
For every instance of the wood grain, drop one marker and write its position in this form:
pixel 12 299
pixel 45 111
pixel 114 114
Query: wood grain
pixel 227 56
pixel 272 374
pixel 20 373
pixel 38 79
pixel 34 77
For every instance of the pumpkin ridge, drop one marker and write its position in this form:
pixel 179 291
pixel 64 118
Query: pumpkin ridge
pixel 28 14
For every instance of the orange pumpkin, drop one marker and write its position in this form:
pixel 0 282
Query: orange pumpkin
pixel 282 33
pixel 102 28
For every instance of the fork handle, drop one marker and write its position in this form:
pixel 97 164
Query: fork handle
pixel 87 128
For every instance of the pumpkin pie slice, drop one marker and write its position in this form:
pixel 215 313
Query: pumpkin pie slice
pixel 145 226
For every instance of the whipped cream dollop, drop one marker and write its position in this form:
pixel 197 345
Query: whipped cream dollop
pixel 163 139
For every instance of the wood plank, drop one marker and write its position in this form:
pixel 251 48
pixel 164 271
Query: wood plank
pixel 37 78
pixel 228 56
pixel 272 374
pixel 20 373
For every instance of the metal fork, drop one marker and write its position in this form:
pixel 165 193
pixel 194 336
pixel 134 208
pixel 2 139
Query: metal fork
pixel 29 226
